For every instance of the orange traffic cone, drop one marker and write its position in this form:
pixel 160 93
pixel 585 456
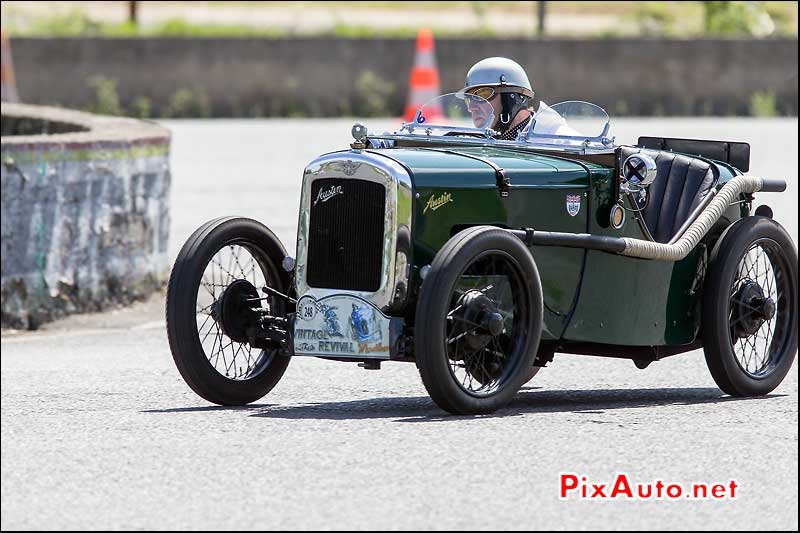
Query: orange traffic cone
pixel 424 84
pixel 8 86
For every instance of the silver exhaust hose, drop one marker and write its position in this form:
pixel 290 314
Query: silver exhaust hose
pixel 724 198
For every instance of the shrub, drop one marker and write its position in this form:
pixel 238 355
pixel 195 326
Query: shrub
pixel 106 100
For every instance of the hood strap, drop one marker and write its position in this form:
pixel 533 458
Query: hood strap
pixel 503 181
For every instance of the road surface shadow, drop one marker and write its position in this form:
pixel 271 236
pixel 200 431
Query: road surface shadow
pixel 248 407
pixel 422 408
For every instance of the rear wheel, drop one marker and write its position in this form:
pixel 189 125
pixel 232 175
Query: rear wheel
pixel 479 320
pixel 214 309
pixel 750 308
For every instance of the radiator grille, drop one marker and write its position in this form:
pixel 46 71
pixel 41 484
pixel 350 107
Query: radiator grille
pixel 345 238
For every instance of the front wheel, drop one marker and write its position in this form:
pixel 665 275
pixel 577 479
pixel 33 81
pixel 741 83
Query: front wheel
pixel 750 308
pixel 478 321
pixel 214 309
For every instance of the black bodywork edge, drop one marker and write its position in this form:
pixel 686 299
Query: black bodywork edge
pixel 648 353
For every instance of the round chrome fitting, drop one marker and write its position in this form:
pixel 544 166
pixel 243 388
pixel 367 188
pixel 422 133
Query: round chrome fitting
pixel 288 263
pixel 639 170
pixel 617 216
pixel 423 272
pixel 359 132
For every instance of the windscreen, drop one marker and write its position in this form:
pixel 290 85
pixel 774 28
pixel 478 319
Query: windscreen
pixel 456 110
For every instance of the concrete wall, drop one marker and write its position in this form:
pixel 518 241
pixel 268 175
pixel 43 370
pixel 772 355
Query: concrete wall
pixel 327 77
pixel 85 212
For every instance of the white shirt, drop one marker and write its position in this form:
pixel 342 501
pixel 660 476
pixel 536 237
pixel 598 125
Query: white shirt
pixel 549 122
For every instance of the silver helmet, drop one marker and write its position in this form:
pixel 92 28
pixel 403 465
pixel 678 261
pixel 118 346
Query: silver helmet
pixel 498 72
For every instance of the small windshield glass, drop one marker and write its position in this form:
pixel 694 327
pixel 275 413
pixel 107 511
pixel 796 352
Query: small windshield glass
pixel 568 123
pixel 564 125
pixel 569 119
pixel 583 117
pixel 455 111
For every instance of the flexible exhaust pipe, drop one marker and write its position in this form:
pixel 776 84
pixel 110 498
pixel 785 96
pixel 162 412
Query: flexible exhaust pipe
pixel 704 222
pixel 656 250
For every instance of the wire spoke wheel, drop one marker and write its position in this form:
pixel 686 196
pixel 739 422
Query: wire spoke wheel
pixel 235 272
pixel 478 321
pixel 758 312
pixel 226 337
pixel 749 326
pixel 486 323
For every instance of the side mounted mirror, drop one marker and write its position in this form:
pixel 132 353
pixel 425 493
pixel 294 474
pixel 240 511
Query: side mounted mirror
pixel 638 173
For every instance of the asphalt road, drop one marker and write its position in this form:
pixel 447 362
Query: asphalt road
pixel 99 431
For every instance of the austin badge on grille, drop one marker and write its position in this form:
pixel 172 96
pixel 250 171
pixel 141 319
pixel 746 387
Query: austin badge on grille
pixel 325 195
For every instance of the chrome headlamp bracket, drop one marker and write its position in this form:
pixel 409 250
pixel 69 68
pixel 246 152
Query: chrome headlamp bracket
pixel 638 173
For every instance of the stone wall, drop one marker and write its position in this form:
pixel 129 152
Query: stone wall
pixel 334 77
pixel 85 212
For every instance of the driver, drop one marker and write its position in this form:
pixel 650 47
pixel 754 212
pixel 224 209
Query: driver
pixel 504 84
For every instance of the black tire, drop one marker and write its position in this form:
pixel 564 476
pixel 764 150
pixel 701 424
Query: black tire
pixel 753 264
pixel 437 341
pixel 532 371
pixel 184 314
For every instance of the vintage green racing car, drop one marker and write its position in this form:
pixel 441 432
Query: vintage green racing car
pixel 478 259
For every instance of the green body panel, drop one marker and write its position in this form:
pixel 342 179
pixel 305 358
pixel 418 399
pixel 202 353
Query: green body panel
pixel 589 296
pixel 640 302
pixel 537 198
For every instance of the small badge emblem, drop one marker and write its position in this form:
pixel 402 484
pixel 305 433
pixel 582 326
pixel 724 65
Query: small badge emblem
pixel 323 195
pixel 573 204
pixel 435 203
pixel 349 168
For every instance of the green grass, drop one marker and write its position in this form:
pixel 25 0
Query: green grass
pixel 763 104
pixel 77 23
pixel 181 28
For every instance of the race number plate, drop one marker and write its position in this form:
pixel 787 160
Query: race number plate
pixel 341 326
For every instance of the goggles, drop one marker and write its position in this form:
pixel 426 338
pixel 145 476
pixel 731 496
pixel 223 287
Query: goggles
pixel 487 93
